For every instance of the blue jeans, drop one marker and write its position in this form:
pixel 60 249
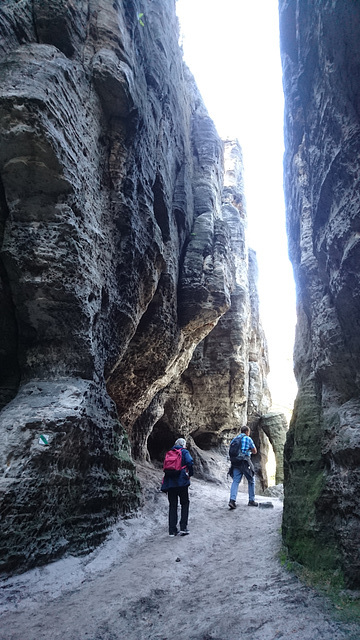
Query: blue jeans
pixel 236 481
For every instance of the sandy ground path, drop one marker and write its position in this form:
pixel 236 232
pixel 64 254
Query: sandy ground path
pixel 222 582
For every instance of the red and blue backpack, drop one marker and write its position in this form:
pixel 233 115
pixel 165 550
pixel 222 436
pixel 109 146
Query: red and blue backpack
pixel 173 462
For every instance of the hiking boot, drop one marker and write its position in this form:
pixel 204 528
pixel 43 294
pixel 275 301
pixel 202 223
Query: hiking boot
pixel 232 504
pixel 184 532
pixel 252 503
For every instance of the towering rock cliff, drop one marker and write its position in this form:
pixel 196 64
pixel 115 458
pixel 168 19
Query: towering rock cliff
pixel 321 65
pixel 120 252
pixel 225 384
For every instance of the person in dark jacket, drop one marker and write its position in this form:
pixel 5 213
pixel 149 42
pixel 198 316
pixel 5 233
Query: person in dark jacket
pixel 178 487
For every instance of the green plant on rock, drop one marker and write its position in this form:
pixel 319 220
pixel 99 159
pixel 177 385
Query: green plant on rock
pixel 328 582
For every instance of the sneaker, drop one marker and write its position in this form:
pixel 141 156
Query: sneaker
pixel 184 532
pixel 172 535
pixel 252 503
pixel 232 504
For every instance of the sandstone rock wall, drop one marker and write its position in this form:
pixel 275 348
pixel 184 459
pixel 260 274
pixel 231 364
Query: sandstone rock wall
pixel 224 386
pixel 321 66
pixel 118 257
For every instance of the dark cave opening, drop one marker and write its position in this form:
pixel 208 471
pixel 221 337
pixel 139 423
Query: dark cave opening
pixel 206 440
pixel 160 440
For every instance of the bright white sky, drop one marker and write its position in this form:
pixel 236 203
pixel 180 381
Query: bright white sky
pixel 232 49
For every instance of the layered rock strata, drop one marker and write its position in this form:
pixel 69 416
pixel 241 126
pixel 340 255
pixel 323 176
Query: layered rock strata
pixel 321 66
pixel 118 257
pixel 224 386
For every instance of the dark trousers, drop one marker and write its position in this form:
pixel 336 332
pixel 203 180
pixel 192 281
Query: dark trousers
pixel 173 495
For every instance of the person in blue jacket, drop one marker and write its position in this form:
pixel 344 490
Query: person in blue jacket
pixel 178 487
pixel 243 467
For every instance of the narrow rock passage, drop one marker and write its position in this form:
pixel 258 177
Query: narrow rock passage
pixel 222 582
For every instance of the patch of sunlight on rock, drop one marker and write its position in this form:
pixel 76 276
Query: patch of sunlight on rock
pixel 283 387
pixel 270 467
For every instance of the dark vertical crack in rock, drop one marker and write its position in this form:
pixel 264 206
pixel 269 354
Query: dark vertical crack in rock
pixel 9 365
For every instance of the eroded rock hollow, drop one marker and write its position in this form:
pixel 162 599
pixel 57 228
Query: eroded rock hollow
pixel 129 311
pixel 321 65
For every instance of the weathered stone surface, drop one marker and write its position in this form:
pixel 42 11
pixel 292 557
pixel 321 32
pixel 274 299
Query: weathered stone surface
pixel 321 64
pixel 62 24
pixel 186 304
pixel 120 252
pixel 60 496
pixel 96 210
pixel 275 427
pixel 224 386
pixel 114 82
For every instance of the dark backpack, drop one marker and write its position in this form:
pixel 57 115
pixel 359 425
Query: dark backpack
pixel 173 462
pixel 235 453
